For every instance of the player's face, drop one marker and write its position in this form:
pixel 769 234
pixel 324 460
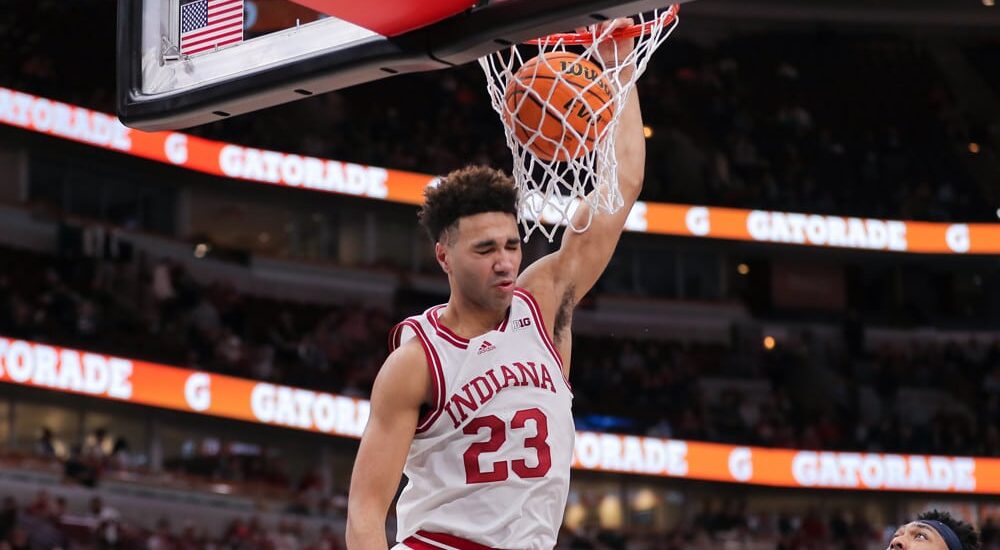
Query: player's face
pixel 917 536
pixel 483 257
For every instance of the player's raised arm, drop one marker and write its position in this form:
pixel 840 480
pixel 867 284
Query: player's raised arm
pixel 399 390
pixel 565 276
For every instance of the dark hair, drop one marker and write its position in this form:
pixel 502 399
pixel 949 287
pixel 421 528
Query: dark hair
pixel 466 192
pixel 966 534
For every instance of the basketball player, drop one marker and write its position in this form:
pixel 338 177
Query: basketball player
pixel 473 404
pixel 935 530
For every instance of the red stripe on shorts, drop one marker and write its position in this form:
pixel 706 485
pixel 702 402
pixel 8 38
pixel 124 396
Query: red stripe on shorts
pixel 424 540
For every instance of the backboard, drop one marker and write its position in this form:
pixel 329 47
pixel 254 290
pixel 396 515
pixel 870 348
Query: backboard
pixel 183 63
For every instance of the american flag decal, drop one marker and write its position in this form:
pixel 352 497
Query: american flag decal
pixel 207 24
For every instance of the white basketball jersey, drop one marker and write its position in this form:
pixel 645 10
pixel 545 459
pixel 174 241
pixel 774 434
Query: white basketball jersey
pixel 490 462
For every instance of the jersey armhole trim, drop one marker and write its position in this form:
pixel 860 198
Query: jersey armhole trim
pixel 536 312
pixel 433 366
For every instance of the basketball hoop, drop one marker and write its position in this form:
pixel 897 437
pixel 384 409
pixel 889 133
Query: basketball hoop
pixel 560 116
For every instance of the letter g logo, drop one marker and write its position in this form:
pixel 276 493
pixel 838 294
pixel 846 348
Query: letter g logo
pixel 198 391
pixel 176 148
pixel 697 221
pixel 741 464
pixel 957 238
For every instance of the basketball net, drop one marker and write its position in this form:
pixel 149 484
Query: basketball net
pixel 578 166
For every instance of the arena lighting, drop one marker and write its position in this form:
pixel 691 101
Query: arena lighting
pixel 575 514
pixel 221 488
pixel 644 500
pixel 610 513
pixel 743 269
pixel 769 343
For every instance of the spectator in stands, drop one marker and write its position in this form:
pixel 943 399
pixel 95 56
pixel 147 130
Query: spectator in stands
pixel 121 457
pixel 935 530
pixel 98 446
pixel 328 540
pixel 79 469
pixel 161 539
pixel 42 524
pixel 47 446
pixel 284 335
pixel 288 536
pixel 109 533
pixel 94 509
pixel 191 539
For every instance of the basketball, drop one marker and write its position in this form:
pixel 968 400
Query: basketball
pixel 558 98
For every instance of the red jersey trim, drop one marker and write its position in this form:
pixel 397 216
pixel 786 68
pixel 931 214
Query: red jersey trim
pixel 433 365
pixel 449 335
pixel 423 540
pixel 396 335
pixel 502 327
pixel 444 332
pixel 536 312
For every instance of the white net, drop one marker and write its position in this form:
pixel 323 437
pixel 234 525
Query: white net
pixel 560 99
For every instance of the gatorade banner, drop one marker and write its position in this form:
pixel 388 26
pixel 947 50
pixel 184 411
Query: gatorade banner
pixel 100 376
pixel 74 123
pixel 107 377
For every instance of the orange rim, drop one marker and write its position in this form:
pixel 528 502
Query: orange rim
pixel 584 38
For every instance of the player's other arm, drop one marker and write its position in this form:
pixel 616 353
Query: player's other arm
pixel 565 276
pixel 400 387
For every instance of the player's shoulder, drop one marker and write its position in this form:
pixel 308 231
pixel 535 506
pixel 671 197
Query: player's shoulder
pixel 404 374
pixel 409 355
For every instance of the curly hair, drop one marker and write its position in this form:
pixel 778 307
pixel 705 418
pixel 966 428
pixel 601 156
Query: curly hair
pixel 966 534
pixel 466 192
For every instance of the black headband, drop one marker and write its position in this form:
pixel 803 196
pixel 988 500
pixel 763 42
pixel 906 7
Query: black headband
pixel 949 536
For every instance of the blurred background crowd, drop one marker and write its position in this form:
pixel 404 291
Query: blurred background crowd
pixel 823 119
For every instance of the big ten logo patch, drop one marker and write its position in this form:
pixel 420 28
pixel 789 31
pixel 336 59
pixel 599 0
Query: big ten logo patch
pixel 522 323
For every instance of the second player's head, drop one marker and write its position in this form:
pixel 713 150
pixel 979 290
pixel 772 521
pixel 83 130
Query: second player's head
pixel 935 530
pixel 471 216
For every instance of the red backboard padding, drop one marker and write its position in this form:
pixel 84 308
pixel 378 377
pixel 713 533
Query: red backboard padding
pixel 389 17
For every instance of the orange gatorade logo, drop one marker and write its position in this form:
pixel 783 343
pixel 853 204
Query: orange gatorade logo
pixel 64 369
pixel 884 472
pixel 63 120
pixel 71 122
pixel 307 410
pixel 781 227
pixel 631 454
pixel 308 172
pixel 67 370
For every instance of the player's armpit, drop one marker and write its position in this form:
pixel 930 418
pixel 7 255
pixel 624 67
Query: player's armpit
pixel 400 388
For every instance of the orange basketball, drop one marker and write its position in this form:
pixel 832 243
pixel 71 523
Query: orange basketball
pixel 546 100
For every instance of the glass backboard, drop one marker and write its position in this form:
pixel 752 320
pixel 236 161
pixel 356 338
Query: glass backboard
pixel 183 63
